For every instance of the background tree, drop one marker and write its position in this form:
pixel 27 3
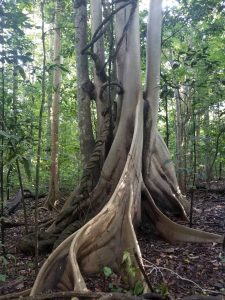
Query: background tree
pixel 84 86
pixel 54 195
pixel 14 55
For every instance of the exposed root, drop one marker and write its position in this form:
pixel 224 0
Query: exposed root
pixel 58 295
pixel 171 231
pixel 16 295
pixel 55 200
pixel 102 241
pixel 161 180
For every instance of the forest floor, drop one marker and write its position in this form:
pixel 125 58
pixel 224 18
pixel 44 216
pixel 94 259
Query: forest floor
pixel 177 270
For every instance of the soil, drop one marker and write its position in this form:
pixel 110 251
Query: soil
pixel 176 270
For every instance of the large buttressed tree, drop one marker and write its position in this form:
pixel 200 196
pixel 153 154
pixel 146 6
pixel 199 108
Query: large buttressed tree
pixel 129 171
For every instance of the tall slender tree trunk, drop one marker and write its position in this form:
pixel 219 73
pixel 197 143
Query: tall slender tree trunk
pixel 167 117
pixel 98 50
pixel 2 142
pixel 40 120
pixel 50 95
pixel 85 89
pixel 14 147
pixel 207 146
pixel 180 96
pixel 54 193
pixel 178 137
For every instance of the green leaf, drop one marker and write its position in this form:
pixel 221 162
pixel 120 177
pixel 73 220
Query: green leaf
pixel 138 289
pixel 5 134
pixel 107 271
pixel 162 289
pixel 2 277
pixel 126 258
pixel 3 260
pixel 63 69
pixel 132 271
pixel 8 136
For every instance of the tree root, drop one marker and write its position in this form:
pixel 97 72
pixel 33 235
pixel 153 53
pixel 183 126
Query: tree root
pixel 160 179
pixel 171 231
pixel 18 295
pixel 58 295
pixel 103 240
pixel 55 200
pixel 202 297
pixel 100 296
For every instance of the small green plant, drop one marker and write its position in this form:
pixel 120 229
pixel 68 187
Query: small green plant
pixel 3 260
pixel 162 289
pixel 4 263
pixel 120 283
pixel 222 258
pixel 130 270
pixel 138 289
pixel 114 283
pixel 107 271
pixel 127 264
pixel 2 277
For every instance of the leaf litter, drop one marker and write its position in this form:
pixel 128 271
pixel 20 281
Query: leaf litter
pixel 177 270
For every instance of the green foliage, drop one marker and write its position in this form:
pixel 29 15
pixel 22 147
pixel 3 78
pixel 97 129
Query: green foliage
pixel 107 271
pixel 193 64
pixel 119 282
pixel 138 289
pixel 4 262
pixel 162 289
pixel 127 265
pixel 2 277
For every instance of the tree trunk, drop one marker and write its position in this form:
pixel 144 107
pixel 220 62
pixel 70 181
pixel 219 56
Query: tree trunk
pixel 98 50
pixel 54 196
pixel 180 96
pixel 49 96
pixel 85 88
pixel 207 146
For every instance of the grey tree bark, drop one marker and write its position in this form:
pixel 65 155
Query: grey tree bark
pixel 84 85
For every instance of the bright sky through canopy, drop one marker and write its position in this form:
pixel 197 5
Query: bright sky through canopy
pixel 144 4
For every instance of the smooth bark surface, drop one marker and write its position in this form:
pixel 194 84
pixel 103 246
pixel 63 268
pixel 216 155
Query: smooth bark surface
pixel 54 196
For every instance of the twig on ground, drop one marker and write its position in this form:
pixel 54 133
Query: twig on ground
pixel 160 269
